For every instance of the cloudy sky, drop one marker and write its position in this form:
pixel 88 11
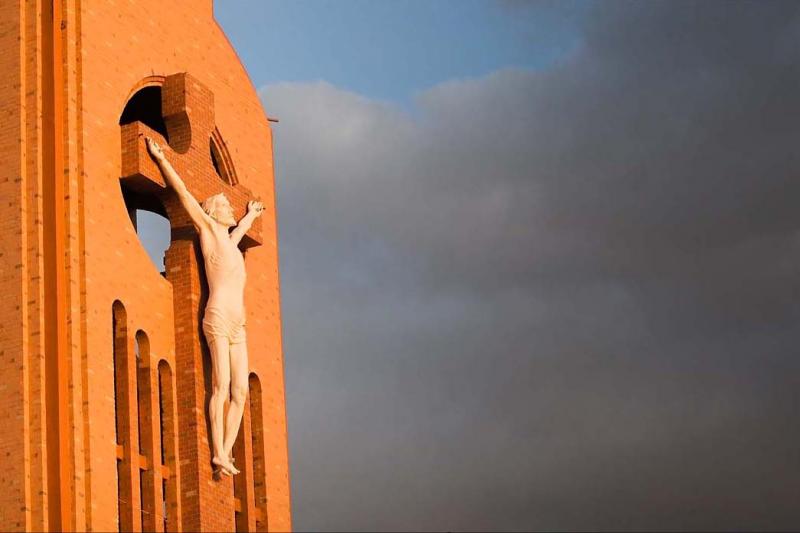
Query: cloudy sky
pixel 540 261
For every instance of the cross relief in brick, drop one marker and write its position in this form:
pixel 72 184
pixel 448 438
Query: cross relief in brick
pixel 196 150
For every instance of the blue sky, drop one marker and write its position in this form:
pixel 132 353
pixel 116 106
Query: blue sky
pixel 388 51
pixel 391 50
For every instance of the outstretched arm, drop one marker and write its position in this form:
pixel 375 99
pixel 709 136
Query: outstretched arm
pixel 254 210
pixel 196 213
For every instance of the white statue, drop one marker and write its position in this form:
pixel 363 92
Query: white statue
pixel 224 318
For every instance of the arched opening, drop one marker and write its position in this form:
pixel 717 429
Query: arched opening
pixel 221 159
pixel 121 360
pixel 259 460
pixel 147 213
pixel 242 483
pixel 169 447
pixel 145 107
pixel 147 444
pixel 215 160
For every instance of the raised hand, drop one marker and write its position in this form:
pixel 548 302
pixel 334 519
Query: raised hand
pixel 255 207
pixel 154 149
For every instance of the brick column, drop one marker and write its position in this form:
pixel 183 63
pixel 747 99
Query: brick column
pixel 206 502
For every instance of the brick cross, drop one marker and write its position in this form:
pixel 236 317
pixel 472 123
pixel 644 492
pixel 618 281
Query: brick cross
pixel 196 150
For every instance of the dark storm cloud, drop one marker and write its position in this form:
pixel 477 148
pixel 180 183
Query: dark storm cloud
pixel 562 299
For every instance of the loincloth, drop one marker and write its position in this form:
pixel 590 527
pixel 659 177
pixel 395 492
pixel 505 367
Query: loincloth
pixel 216 325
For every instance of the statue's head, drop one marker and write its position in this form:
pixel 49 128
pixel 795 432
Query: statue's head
pixel 219 208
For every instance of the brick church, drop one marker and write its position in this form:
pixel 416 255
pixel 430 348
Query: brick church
pixel 104 370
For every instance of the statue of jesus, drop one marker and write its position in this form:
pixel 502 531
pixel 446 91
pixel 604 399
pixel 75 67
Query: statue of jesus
pixel 224 318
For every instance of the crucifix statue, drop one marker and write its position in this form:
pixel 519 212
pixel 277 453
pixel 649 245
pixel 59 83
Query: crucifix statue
pixel 187 159
pixel 224 317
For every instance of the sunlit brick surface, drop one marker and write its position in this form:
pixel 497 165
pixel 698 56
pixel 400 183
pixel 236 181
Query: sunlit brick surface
pixel 110 49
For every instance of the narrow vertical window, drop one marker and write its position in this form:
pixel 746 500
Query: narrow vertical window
pixel 243 482
pixel 169 446
pixel 146 460
pixel 259 460
pixel 122 420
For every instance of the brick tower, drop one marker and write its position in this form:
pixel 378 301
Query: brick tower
pixel 104 372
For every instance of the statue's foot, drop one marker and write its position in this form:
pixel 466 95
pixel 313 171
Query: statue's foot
pixel 231 460
pixel 225 466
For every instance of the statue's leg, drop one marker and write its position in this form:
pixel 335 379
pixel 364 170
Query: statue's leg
pixel 239 386
pixel 220 384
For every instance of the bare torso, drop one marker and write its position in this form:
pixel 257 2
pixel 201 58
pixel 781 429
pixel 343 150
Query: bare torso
pixel 225 273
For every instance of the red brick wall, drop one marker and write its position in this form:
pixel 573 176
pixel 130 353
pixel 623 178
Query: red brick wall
pixel 121 44
pixel 15 513
pixel 107 48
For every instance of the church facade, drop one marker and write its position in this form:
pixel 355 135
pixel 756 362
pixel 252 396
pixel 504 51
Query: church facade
pixel 104 370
